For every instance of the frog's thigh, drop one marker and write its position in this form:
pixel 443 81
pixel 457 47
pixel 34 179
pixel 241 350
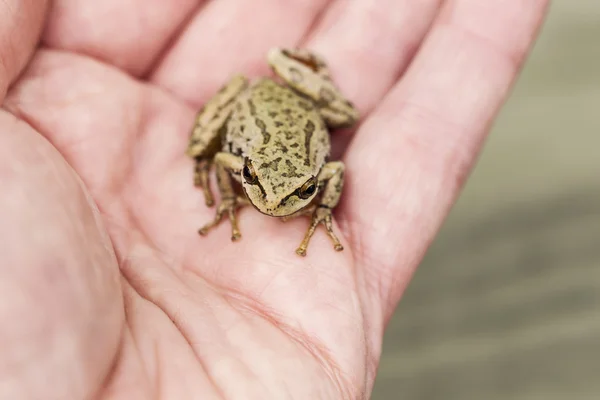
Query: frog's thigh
pixel 332 176
pixel 308 73
pixel 205 139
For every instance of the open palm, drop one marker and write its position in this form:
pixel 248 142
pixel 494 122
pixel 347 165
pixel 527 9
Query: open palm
pixel 108 291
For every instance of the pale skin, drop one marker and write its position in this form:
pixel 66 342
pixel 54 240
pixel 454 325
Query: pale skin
pixel 109 293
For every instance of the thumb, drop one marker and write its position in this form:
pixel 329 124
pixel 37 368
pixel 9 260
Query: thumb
pixel 61 311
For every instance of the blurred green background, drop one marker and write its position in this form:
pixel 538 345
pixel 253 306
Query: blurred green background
pixel 506 305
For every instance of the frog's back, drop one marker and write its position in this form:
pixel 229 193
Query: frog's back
pixel 272 122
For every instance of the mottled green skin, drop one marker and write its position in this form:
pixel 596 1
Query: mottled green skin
pixel 273 139
pixel 285 139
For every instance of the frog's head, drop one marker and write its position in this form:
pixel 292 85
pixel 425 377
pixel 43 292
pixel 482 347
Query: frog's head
pixel 274 191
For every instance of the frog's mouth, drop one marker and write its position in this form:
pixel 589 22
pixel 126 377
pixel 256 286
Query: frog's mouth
pixel 287 206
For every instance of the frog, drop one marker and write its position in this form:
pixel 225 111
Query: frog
pixel 268 139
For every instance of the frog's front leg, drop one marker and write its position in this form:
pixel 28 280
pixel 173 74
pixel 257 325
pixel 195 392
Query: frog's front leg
pixel 308 73
pixel 331 179
pixel 205 139
pixel 226 164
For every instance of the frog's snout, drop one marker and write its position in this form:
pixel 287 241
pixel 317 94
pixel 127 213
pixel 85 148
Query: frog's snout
pixel 272 208
pixel 275 207
pixel 259 201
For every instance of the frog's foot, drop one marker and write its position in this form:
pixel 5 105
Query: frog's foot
pixel 321 214
pixel 229 206
pixel 201 180
pixel 308 73
pixel 303 56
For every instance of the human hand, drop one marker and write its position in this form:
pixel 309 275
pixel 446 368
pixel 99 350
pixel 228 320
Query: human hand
pixel 108 291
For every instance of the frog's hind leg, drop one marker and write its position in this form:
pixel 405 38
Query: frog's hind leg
pixel 226 164
pixel 307 73
pixel 206 137
pixel 201 179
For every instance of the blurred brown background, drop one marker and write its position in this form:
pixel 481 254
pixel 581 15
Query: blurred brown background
pixel 506 305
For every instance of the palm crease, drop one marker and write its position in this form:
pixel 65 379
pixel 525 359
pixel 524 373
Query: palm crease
pixel 96 120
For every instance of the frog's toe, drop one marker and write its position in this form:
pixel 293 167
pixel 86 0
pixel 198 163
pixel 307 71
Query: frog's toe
pixel 227 207
pixel 321 215
pixel 216 220
pixel 301 251
pixel 206 228
pixel 236 235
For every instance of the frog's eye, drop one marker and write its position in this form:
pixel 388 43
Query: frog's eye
pixel 308 189
pixel 249 173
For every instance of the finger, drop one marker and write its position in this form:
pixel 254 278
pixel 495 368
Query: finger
pixel 157 200
pixel 19 32
pixel 231 36
pixel 73 100
pixel 125 139
pixel 128 34
pixel 61 311
pixel 368 44
pixel 411 157
pixel 112 129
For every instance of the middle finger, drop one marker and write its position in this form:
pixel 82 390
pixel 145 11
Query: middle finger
pixel 230 36
pixel 368 44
